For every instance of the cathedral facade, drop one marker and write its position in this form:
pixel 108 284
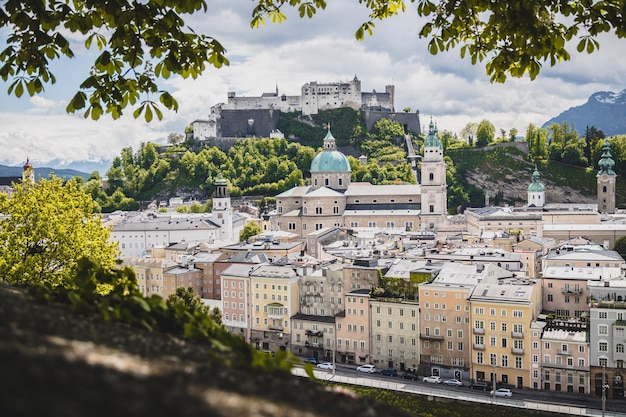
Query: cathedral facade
pixel 333 200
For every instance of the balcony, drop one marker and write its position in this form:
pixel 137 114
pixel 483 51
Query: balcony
pixel 478 330
pixel 317 346
pixel 572 291
pixel 438 338
pixel 479 346
pixel 517 351
pixel 313 332
pixel 565 352
pixel 517 335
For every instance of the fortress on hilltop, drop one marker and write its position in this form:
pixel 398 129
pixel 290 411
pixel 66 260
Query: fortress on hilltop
pixel 242 117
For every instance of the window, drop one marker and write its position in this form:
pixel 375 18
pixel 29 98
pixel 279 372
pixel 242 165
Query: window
pixel 480 358
pixel 518 314
pixel 603 329
pixel 602 315
pixel 619 348
pixel 550 297
pixel 518 362
pixel 504 359
pixel 603 346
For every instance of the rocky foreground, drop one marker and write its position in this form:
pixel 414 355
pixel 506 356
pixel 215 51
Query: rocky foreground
pixel 55 363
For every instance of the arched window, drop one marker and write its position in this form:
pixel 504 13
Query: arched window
pixel 604 188
pixel 431 176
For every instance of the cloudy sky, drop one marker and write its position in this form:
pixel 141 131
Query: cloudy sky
pixel 287 55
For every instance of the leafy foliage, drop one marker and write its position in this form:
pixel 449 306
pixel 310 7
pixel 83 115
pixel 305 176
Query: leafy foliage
pixel 138 43
pixel 181 315
pixel 46 228
pixel 249 229
pixel 514 37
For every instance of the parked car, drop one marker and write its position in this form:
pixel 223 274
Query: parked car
pixel 314 361
pixel 325 365
pixel 388 372
pixel 433 379
pixel 409 375
pixel 481 385
pixel 453 382
pixel 502 392
pixel 369 369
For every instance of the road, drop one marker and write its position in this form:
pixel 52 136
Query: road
pixel 613 407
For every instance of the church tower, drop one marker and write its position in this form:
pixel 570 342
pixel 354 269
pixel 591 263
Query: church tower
pixel 222 212
pixel 433 187
pixel 606 180
pixel 536 191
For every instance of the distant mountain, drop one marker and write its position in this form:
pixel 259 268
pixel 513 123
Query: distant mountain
pixel 7 171
pixel 605 110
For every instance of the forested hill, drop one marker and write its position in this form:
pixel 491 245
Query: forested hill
pixel 266 167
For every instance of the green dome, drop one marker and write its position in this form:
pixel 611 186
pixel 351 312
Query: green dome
pixel 536 186
pixel 330 159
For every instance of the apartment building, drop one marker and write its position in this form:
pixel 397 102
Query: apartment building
pixel 502 311
pixel 313 336
pixel 583 255
pixel 607 335
pixel 565 291
pixel 236 299
pixel 395 333
pixel 353 329
pixel 150 274
pixel 274 291
pixel 182 276
pixel 564 357
pixel 444 321
pixel 510 261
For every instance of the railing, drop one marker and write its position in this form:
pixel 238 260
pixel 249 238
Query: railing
pixel 517 335
pixel 479 346
pixel 431 337
pixel 517 351
pixel 478 330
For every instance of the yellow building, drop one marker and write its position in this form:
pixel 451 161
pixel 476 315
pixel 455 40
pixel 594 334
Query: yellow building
pixel 502 311
pixel 274 291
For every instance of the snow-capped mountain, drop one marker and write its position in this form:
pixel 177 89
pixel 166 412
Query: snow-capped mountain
pixel 605 110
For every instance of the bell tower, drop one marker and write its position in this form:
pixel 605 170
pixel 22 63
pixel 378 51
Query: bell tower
pixel 606 180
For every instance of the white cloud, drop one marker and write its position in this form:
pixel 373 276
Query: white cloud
pixel 322 49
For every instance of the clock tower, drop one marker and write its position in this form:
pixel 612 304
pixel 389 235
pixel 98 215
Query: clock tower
pixel 606 180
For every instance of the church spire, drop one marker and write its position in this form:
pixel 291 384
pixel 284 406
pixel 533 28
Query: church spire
pixel 606 162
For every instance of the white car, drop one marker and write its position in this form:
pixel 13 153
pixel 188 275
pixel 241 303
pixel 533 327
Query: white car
pixel 453 382
pixel 325 365
pixel 369 369
pixel 433 379
pixel 502 392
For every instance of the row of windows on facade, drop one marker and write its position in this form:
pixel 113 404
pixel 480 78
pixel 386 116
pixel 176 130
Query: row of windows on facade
pixel 517 327
pixel 401 326
pixel 567 299
pixel 400 311
pixel 504 363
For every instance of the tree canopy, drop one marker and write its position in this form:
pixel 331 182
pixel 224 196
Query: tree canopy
pixel 140 43
pixel 515 37
pixel 47 227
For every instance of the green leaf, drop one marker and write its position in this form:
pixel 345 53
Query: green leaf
pixel 148 113
pixel 141 302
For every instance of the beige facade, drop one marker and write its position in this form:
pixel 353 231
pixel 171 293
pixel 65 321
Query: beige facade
pixel 502 313
pixel 444 322
pixel 395 333
pixel 150 273
pixel 564 358
pixel 274 291
pixel 189 277
pixel 353 329
pixel 565 288
pixel 313 337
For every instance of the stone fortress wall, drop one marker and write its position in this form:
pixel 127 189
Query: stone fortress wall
pixel 258 116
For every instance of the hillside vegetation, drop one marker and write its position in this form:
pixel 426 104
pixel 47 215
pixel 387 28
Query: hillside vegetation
pixel 504 172
pixel 261 167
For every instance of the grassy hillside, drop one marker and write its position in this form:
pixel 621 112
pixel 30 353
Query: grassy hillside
pixel 505 170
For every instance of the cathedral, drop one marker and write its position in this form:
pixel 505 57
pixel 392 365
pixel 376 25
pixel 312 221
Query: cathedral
pixel 333 200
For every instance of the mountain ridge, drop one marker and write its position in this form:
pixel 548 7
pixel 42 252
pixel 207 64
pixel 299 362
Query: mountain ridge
pixel 605 110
